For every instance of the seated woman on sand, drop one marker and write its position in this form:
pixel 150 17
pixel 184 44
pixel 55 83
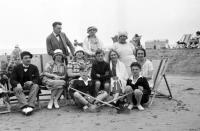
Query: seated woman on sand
pixel 147 66
pixel 139 86
pixel 119 74
pixel 53 77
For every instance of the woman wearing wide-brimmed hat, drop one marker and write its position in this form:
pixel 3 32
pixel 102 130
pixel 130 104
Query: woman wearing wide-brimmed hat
pixel 92 42
pixel 54 75
pixel 125 50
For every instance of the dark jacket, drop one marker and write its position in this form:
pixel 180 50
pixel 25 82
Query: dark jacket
pixel 17 75
pixel 80 85
pixel 102 68
pixel 53 44
pixel 142 81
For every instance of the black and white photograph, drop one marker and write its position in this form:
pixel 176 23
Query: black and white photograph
pixel 100 65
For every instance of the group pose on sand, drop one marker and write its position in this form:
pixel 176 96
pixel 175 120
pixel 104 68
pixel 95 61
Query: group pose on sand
pixel 90 78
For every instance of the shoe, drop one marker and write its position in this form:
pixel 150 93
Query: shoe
pixel 24 111
pixel 140 108
pixel 85 108
pixel 50 105
pixel 29 110
pixel 56 104
pixel 130 107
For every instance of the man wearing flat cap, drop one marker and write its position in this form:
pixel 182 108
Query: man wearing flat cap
pixel 58 40
pixel 25 76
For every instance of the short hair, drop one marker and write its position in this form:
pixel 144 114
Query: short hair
pixel 136 64
pixel 99 51
pixel 198 32
pixel 142 49
pixel 56 23
pixel 25 53
pixel 112 50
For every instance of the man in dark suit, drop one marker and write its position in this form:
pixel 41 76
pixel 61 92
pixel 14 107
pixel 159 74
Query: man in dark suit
pixel 25 76
pixel 58 40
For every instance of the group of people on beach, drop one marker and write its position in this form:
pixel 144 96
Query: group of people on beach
pixel 91 77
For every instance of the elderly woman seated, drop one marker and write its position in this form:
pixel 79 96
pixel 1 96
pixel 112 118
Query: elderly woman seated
pixel 146 65
pixel 119 75
pixel 139 86
pixel 53 77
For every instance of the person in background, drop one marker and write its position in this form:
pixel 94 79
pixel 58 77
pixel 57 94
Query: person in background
pixel 136 41
pixel 139 86
pixel 100 74
pixel 92 43
pixel 59 40
pixel 53 77
pixel 25 76
pixel 119 75
pixel 114 39
pixel 146 65
pixel 125 50
pixel 195 41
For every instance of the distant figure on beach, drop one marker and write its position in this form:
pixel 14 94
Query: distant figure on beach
pixel 25 76
pixel 195 41
pixel 125 50
pixel 136 41
pixel 76 43
pixel 92 42
pixel 15 55
pixel 114 39
pixel 58 40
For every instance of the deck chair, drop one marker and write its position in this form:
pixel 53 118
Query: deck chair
pixel 159 75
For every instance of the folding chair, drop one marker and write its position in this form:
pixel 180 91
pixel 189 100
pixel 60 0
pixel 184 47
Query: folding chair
pixel 159 75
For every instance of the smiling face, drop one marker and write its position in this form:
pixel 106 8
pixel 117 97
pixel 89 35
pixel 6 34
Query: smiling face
pixel 140 55
pixel 122 39
pixel 79 54
pixel 113 56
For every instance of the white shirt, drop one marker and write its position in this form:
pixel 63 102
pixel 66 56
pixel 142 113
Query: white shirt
pixel 57 37
pixel 86 82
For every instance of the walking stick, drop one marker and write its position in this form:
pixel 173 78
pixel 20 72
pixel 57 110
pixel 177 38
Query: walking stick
pixel 95 98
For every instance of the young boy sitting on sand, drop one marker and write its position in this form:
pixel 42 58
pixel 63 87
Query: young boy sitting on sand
pixel 83 84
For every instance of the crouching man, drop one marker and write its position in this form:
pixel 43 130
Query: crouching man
pixel 25 76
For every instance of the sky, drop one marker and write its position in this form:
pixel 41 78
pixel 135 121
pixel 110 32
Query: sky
pixel 28 22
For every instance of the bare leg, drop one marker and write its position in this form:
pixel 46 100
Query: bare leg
pixel 57 95
pixel 138 96
pixel 101 97
pixel 80 98
pixel 53 93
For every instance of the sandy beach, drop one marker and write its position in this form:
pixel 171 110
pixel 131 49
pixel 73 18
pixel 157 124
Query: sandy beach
pixel 180 114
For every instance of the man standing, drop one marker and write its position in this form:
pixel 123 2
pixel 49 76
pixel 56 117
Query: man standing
pixel 25 76
pixel 58 40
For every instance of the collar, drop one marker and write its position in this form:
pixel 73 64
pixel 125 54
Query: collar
pixel 55 34
pixel 131 77
pixel 25 66
pixel 86 82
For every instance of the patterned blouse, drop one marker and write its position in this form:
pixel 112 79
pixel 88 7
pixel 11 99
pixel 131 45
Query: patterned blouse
pixel 57 69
